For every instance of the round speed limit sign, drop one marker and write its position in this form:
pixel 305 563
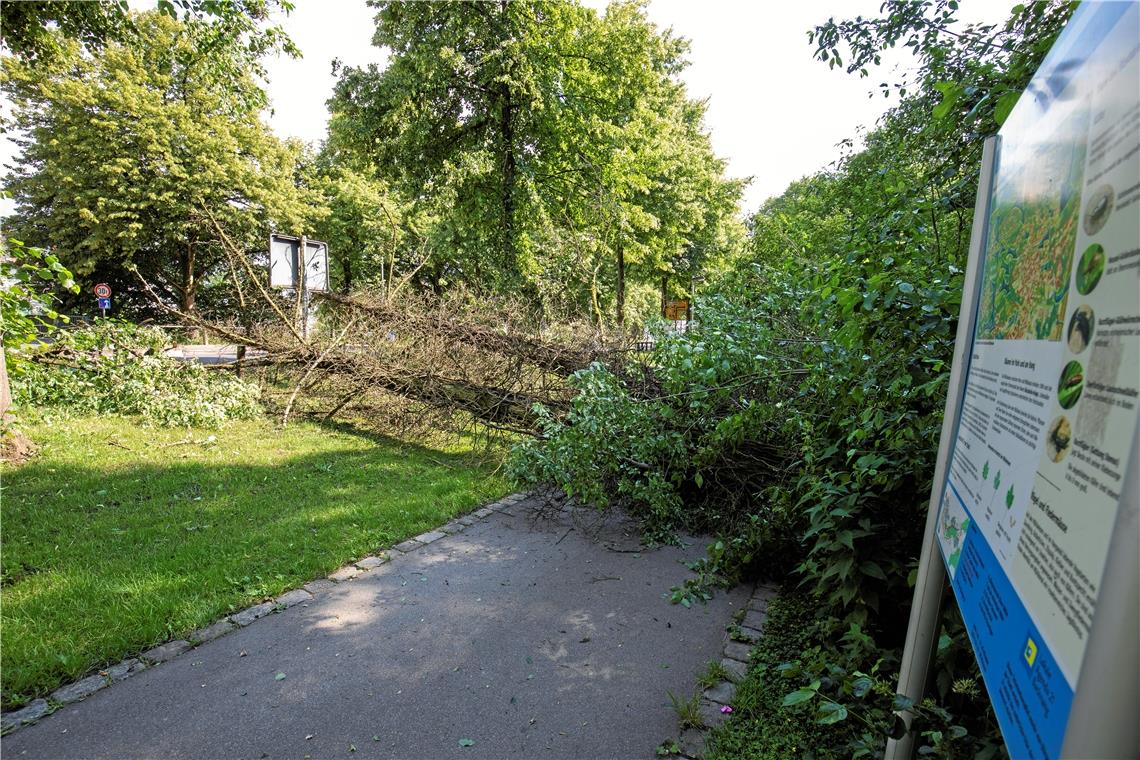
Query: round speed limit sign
pixel 102 290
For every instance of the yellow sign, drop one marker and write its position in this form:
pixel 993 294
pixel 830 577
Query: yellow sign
pixel 676 310
pixel 1030 651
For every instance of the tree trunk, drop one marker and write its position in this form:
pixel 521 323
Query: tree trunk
pixel 510 171
pixel 346 267
pixel 594 301
pixel 621 286
pixel 664 293
pixel 190 288
pixel 189 284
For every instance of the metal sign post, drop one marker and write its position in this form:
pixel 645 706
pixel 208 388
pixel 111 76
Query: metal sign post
pixel 303 275
pixel 103 297
pixel 299 264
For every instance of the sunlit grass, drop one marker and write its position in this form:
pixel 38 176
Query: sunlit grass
pixel 117 537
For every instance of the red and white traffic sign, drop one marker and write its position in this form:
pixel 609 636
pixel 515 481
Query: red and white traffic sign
pixel 102 290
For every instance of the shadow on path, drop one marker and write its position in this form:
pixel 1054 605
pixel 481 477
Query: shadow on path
pixel 519 634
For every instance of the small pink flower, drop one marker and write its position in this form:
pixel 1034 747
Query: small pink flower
pixel 726 709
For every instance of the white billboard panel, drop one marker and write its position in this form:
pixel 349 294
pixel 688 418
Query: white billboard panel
pixel 283 262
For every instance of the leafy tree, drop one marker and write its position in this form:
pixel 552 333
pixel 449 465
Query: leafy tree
pixel 28 26
pixel 801 418
pixel 127 150
pixel 27 277
pixel 543 146
pixel 362 225
pixel 32 28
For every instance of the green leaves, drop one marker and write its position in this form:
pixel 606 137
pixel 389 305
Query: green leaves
pixel 160 389
pixel 130 143
pixel 951 92
pixel 540 147
pixel 1005 105
pixel 24 273
pixel 830 712
pixel 801 695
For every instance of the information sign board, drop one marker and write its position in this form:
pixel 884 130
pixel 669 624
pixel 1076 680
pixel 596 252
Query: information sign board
pixel 677 311
pixel 283 263
pixel 316 265
pixel 1049 415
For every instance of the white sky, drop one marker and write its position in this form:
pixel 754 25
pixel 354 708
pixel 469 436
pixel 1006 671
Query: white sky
pixel 774 113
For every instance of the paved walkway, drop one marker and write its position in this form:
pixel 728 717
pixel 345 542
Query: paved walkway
pixel 521 634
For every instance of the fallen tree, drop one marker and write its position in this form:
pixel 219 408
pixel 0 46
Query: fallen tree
pixel 414 360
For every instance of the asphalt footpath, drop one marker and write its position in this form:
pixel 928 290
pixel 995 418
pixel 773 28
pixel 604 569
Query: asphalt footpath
pixel 535 633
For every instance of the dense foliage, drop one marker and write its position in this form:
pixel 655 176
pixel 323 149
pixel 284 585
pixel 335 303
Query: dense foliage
pixel 801 418
pixel 34 29
pixel 549 151
pixel 542 147
pixel 126 149
pixel 30 276
pixel 845 704
pixel 118 368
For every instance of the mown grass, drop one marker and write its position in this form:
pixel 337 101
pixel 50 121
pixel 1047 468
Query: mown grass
pixel 117 537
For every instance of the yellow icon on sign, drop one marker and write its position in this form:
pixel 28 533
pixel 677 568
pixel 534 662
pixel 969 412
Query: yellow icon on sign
pixel 1030 651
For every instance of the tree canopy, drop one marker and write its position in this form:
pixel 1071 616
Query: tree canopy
pixel 125 150
pixel 542 146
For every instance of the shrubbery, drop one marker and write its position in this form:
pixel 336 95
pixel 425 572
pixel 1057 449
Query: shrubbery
pixel 800 420
pixel 115 367
pixel 800 423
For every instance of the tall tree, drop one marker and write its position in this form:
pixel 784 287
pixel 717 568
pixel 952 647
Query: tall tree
pixel 363 226
pixel 32 29
pixel 559 140
pixel 127 149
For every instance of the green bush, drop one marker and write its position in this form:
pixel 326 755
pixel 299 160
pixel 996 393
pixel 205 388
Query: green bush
pixel 688 441
pixel 114 367
pixel 27 278
pixel 810 693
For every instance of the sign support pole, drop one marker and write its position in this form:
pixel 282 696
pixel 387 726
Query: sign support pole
pixel 922 633
pixel 303 275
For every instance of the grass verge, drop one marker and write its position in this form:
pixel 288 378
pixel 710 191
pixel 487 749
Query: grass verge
pixel 761 728
pixel 117 537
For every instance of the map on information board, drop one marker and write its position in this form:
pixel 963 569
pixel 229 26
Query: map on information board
pixel 1049 411
pixel 1034 209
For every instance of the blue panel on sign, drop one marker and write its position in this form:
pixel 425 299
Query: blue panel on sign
pixel 1031 697
pixel 104 303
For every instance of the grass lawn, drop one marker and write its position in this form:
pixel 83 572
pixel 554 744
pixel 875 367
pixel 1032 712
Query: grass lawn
pixel 117 537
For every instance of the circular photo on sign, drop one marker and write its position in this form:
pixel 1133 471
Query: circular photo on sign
pixel 1090 268
pixel 1081 326
pixel 1060 439
pixel 1099 208
pixel 1071 385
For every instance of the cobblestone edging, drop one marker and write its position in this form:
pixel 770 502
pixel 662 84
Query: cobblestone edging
pixel 736 660
pixel 83 688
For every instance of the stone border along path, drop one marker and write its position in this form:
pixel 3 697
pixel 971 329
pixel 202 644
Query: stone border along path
pixel 85 687
pixel 736 660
